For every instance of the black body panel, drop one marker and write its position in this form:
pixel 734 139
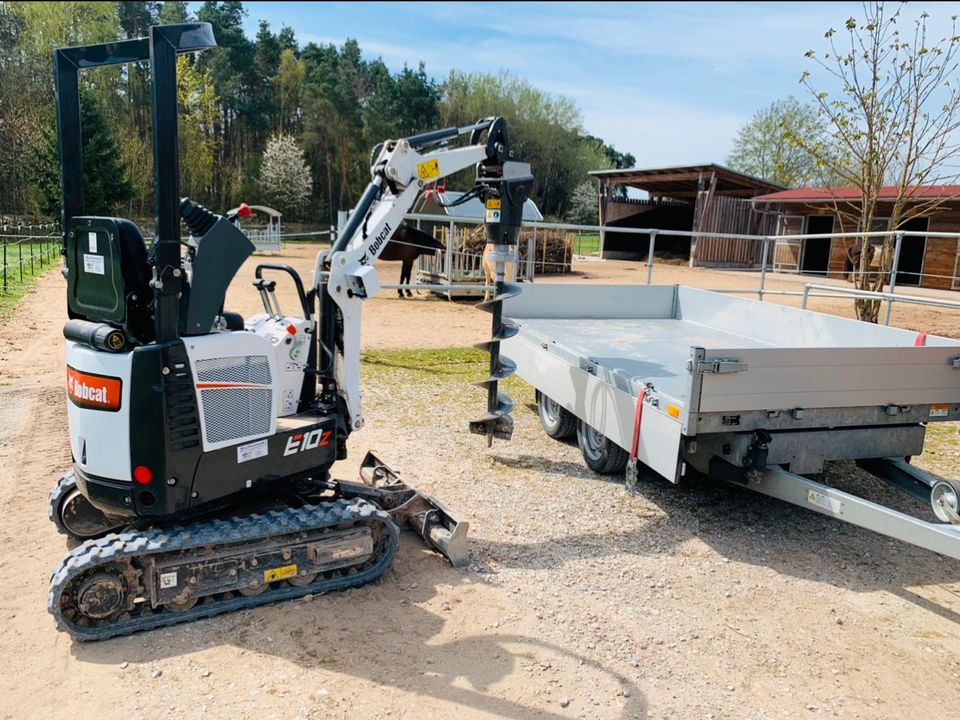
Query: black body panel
pixel 112 497
pixel 221 473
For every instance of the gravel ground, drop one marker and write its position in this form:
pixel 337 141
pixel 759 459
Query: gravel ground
pixel 581 601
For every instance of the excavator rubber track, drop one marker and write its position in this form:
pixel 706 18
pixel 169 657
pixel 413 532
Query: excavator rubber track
pixel 73 515
pixel 131 581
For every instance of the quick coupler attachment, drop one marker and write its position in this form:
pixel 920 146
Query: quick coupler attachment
pixel 428 517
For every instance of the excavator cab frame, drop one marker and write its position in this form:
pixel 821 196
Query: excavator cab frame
pixel 160 49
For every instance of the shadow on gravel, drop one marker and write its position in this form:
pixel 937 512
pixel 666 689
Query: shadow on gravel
pixel 381 634
pixel 747 527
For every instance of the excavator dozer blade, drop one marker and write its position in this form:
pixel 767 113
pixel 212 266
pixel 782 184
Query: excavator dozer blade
pixel 428 517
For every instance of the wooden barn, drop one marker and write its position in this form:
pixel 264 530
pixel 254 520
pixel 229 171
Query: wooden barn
pixel 693 198
pixel 929 261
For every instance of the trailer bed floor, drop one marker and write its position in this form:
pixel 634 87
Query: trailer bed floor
pixel 637 350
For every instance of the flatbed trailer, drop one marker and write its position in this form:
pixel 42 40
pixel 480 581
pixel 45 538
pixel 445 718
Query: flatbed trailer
pixel 752 393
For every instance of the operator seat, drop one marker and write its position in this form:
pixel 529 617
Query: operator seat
pixel 108 276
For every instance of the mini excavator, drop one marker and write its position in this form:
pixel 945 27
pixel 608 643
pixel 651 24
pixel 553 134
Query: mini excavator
pixel 202 443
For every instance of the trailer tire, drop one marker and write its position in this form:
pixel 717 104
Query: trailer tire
pixel 556 422
pixel 601 455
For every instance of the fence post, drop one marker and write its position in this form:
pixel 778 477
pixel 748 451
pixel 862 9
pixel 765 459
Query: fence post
pixel 653 242
pixel 763 266
pixel 32 271
pixel 20 252
pixel 448 270
pixel 531 253
pixel 893 275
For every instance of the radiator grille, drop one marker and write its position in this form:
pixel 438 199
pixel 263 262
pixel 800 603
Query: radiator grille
pixel 230 413
pixel 244 369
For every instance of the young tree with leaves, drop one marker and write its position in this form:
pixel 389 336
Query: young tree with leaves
pixel 891 105
pixel 763 147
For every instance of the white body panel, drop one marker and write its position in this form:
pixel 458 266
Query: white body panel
pixel 290 352
pixel 100 439
pixel 234 373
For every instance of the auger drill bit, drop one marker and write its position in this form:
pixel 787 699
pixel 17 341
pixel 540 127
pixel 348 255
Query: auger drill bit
pixel 503 184
pixel 497 423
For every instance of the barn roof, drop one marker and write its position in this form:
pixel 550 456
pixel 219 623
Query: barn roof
pixel 685 181
pixel 852 194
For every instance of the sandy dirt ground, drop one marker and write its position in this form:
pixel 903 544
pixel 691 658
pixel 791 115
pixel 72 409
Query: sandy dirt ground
pixel 581 600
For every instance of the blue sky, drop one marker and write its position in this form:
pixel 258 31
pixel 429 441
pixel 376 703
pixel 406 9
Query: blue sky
pixel 668 82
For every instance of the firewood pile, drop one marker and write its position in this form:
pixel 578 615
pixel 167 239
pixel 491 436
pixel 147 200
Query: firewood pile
pixel 553 249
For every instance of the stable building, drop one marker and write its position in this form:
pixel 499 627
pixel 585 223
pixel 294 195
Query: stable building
pixel 706 198
pixel 929 261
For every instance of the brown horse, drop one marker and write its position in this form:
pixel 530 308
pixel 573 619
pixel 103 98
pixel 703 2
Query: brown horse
pixel 407 244
pixel 851 260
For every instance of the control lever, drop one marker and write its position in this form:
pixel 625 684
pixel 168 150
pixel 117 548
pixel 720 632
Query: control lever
pixel 268 296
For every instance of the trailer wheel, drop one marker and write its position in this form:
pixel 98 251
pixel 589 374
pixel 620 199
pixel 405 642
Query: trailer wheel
pixel 555 421
pixel 601 455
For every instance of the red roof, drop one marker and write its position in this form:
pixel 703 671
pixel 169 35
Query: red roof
pixel 852 194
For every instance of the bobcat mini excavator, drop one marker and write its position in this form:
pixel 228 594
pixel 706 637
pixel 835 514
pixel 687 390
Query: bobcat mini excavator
pixel 201 444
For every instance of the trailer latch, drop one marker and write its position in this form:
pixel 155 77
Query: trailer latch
pixel 955 363
pixel 721 366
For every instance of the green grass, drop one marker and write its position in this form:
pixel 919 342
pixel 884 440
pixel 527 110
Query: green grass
pixel 941 449
pixel 586 245
pixel 22 272
pixel 453 362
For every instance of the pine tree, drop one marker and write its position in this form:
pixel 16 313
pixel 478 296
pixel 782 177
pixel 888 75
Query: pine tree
pixel 106 188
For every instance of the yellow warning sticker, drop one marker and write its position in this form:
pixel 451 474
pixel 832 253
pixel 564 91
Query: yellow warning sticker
pixel 280 573
pixel 428 170
pixel 939 410
pixel 493 204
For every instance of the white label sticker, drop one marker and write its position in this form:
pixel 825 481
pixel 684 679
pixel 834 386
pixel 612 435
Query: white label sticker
pixel 93 264
pixel 92 241
pixel 939 410
pixel 824 501
pixel 493 216
pixel 168 580
pixel 251 451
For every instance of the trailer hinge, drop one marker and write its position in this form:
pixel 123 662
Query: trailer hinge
pixel 720 366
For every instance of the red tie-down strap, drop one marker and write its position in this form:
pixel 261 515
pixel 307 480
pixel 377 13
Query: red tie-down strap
pixel 636 424
pixel 921 339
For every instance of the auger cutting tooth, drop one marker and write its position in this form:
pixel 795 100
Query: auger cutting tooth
pixel 500 427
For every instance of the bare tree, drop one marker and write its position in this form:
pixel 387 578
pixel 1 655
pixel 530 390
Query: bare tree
pixel 893 118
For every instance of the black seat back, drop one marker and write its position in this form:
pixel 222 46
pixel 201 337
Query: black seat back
pixel 108 275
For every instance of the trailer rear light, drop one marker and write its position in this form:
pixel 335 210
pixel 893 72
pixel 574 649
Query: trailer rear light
pixel 673 411
pixel 142 474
